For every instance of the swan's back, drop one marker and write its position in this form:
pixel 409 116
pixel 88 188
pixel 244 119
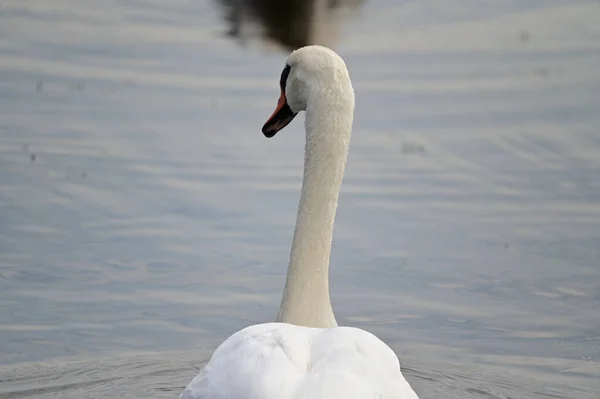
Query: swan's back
pixel 284 361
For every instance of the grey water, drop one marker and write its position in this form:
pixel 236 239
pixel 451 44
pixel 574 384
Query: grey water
pixel 144 217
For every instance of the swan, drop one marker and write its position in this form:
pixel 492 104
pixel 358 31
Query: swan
pixel 304 354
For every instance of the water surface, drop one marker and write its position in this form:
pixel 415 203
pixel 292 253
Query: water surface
pixel 145 217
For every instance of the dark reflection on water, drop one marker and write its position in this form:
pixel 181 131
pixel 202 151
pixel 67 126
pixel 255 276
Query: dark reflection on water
pixel 289 23
pixel 144 217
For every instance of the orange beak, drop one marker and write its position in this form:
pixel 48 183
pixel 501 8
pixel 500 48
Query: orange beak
pixel 280 118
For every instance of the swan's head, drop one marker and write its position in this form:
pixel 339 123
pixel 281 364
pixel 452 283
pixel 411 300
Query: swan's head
pixel 311 74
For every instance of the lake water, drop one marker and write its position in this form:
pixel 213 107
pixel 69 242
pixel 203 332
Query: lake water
pixel 144 217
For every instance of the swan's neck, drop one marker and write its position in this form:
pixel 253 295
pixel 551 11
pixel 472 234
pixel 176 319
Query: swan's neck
pixel 306 299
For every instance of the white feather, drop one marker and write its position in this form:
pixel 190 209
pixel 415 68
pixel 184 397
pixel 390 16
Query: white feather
pixel 284 361
pixel 306 355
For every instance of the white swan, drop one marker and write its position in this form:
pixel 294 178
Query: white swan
pixel 305 354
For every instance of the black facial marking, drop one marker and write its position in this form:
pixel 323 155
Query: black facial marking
pixel 283 114
pixel 284 76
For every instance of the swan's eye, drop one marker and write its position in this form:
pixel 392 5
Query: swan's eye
pixel 284 75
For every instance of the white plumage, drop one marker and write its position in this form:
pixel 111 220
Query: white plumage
pixel 283 361
pixel 305 355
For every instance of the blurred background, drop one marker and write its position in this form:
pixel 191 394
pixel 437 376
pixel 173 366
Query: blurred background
pixel 144 217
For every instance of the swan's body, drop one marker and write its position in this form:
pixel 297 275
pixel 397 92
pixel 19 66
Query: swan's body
pixel 305 355
pixel 280 360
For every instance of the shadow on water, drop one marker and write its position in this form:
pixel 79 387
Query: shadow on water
pixel 288 23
